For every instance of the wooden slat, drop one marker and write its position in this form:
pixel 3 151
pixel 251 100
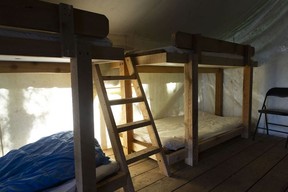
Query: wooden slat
pixel 209 160
pixel 275 180
pixel 29 47
pixel 133 125
pixel 126 101
pixel 250 174
pixel 112 78
pixel 160 58
pixel 33 67
pixel 32 13
pixel 159 69
pixel 167 69
pixel 226 169
pixel 136 156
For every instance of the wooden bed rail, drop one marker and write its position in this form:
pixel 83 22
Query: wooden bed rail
pixel 187 41
pixel 39 15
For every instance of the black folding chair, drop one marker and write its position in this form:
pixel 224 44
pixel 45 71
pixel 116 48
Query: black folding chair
pixel 276 92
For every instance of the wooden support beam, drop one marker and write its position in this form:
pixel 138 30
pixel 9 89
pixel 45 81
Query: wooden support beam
pixel 82 96
pixel 247 93
pixel 219 92
pixel 191 109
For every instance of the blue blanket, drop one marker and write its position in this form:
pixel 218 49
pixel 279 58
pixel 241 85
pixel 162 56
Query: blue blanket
pixel 43 164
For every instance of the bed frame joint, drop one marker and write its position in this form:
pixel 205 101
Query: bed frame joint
pixel 66 23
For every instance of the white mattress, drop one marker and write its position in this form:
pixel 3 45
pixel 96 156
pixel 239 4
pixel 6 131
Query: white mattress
pixel 102 172
pixel 171 129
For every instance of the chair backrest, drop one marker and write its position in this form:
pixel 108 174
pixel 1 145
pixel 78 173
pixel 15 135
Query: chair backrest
pixel 278 92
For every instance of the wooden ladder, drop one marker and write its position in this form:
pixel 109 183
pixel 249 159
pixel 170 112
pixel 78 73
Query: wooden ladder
pixel 114 130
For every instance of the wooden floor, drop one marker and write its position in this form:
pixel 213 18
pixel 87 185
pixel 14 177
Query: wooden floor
pixel 237 165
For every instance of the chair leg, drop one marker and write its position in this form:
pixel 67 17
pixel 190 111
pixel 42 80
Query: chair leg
pixel 256 128
pixel 266 122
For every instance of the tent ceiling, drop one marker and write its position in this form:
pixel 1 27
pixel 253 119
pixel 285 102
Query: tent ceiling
pixel 156 20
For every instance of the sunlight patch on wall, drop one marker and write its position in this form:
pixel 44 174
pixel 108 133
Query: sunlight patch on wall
pixel 171 87
pixel 5 142
pixel 51 109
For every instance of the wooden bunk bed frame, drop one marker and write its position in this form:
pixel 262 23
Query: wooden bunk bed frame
pixel 206 55
pixel 66 22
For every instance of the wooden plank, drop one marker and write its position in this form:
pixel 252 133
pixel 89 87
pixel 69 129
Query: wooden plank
pixel 82 96
pixel 250 174
pixel 174 69
pixel 133 125
pixel 185 41
pixel 112 183
pixel 33 67
pixel 221 61
pixel 32 13
pixel 160 58
pixel 208 160
pixel 142 167
pixel 275 180
pixel 226 169
pixel 29 47
pixel 126 101
pixel 159 69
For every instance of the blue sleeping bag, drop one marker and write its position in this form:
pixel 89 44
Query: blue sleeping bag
pixel 43 164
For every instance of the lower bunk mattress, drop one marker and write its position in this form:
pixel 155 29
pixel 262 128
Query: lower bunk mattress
pixel 48 164
pixel 171 130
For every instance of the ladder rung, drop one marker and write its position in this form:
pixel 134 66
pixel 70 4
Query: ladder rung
pixel 111 78
pixel 133 125
pixel 144 153
pixel 126 100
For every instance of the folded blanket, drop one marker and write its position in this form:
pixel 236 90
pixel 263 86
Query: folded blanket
pixel 45 163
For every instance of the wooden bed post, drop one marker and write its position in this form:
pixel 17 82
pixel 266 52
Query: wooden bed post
pixel 219 92
pixel 247 92
pixel 191 109
pixel 82 94
pixel 82 97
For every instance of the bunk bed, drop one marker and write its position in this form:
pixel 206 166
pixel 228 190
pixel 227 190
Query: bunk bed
pixel 193 54
pixel 41 37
